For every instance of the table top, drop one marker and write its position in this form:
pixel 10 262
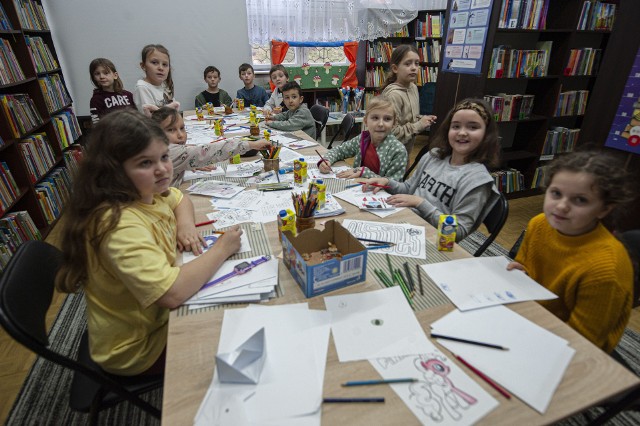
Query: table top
pixel 592 376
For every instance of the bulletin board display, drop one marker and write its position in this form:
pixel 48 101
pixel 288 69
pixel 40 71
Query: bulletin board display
pixel 625 128
pixel 466 36
pixel 317 77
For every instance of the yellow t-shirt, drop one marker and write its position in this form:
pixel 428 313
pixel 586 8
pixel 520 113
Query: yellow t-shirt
pixel 127 331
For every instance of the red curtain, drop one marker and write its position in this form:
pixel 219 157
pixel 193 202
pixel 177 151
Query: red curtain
pixel 350 51
pixel 278 52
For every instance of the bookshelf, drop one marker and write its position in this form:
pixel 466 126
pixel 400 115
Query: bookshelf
pixel 425 32
pixel 38 128
pixel 551 52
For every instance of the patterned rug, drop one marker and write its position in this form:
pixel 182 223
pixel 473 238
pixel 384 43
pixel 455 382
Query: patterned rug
pixel 43 399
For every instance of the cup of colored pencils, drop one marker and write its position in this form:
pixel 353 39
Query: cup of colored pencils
pixel 271 158
pixel 305 205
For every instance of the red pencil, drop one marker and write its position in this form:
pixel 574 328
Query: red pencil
pixel 377 185
pixel 485 378
pixel 209 222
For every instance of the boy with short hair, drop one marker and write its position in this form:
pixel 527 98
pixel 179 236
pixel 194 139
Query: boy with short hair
pixel 279 77
pixel 298 116
pixel 213 93
pixel 252 94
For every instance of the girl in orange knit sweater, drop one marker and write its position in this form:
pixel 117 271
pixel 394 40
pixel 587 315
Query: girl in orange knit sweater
pixel 570 252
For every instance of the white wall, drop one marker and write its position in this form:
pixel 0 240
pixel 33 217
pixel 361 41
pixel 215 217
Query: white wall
pixel 197 34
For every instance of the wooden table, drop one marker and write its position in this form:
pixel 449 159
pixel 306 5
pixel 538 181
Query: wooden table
pixel 591 377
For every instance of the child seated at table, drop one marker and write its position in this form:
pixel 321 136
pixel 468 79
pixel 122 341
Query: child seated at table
pixel 279 77
pixel 122 226
pixel 453 177
pixel 212 93
pixel 197 157
pixel 376 150
pixel 568 250
pixel 297 117
pixel 250 93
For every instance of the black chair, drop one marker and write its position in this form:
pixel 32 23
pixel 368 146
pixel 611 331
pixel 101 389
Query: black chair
pixel 494 222
pixel 346 127
pixel 320 115
pixel 26 290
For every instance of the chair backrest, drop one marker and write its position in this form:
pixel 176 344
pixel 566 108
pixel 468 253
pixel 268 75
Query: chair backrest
pixel 346 126
pixel 494 222
pixel 320 115
pixel 631 240
pixel 26 291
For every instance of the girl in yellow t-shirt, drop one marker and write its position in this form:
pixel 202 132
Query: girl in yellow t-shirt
pixel 121 229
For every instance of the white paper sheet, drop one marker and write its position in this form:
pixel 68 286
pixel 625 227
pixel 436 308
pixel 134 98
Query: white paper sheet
pixel 316 174
pixel 410 240
pixel 243 169
pixel 375 324
pixel 355 196
pixel 214 188
pixel 199 174
pixel 245 246
pixel 444 394
pixel 290 386
pixel 533 366
pixel 479 282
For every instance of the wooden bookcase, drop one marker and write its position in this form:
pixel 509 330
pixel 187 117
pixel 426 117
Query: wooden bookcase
pixel 523 139
pixel 373 57
pixel 41 194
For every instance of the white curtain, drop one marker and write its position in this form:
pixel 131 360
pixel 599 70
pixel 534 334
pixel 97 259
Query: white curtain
pixel 326 20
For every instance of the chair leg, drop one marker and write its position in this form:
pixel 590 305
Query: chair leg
pixel 614 409
pixel 94 411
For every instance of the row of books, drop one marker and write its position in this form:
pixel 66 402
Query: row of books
pixel 526 14
pixel 37 155
pixel 402 32
pixel 509 180
pixel 572 102
pixel 510 107
pixel 20 112
pixel 538 177
pixel 583 61
pixel 16 228
pixel 72 158
pixel 597 15
pixel 10 71
pixel 31 15
pixel 559 140
pixel 55 92
pixel 431 26
pixel 53 192
pixel 380 51
pixel 429 51
pixel 376 76
pixel 67 128
pixel 43 59
pixel 368 95
pixel 514 63
pixel 334 104
pixel 9 190
pixel 5 23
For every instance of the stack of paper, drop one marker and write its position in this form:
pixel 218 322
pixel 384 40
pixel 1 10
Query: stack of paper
pixel 478 282
pixel 215 188
pixel 256 285
pixel 289 390
pixel 534 363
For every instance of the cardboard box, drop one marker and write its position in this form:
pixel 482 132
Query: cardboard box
pixel 329 275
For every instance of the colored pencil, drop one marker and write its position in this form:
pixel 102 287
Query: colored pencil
pixel 419 280
pixel 324 160
pixel 376 241
pixel 379 382
pixel 353 185
pixel 218 232
pixel 209 222
pixel 407 271
pixel 378 246
pixel 471 342
pixel 485 378
pixel 377 185
pixel 352 400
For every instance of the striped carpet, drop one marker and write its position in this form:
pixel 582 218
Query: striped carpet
pixel 43 399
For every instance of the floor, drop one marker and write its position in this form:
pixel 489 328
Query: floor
pixel 15 361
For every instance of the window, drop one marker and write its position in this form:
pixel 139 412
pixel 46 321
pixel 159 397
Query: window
pixel 296 56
